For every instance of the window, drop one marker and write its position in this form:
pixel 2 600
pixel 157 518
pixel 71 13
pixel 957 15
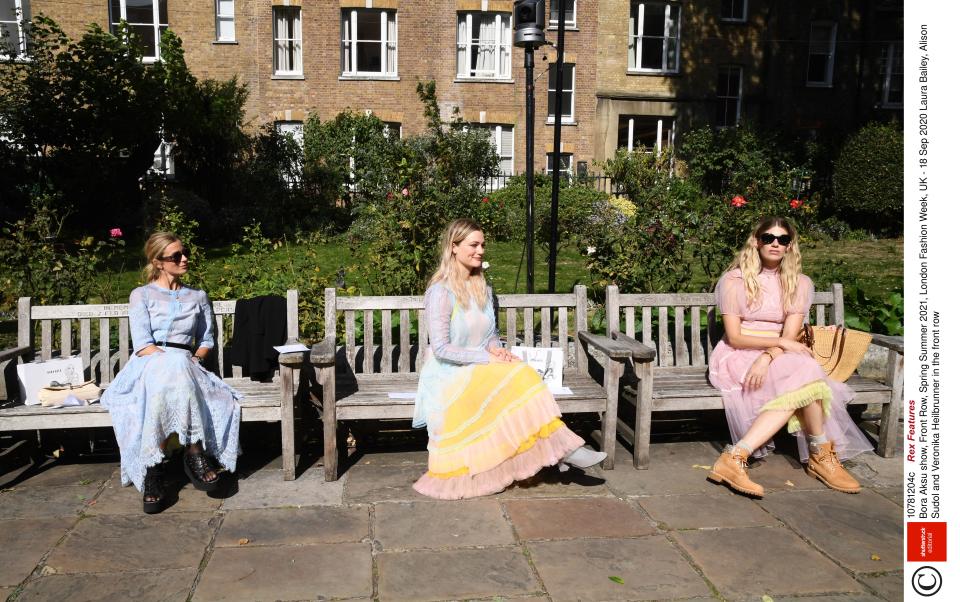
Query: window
pixel 14 16
pixel 654 37
pixel 567 93
pixel 650 133
pixel 566 165
pixel 163 165
pixel 147 20
pixel 823 41
pixel 291 171
pixel 392 129
pixel 569 13
pixel 729 92
pixel 483 45
pixel 287 41
pixel 293 129
pixel 733 10
pixel 226 30
pixel 369 42
pixel 893 76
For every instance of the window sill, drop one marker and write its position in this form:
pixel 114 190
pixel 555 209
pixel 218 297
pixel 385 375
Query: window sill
pixel 568 27
pixel 225 43
pixel 291 76
pixel 386 78
pixel 564 122
pixel 483 80
pixel 655 73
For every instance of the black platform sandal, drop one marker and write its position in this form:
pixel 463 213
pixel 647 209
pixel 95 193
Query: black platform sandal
pixel 196 466
pixel 153 494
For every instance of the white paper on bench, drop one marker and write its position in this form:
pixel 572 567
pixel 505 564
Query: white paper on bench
pixel 561 390
pixel 547 361
pixel 291 348
pixel 402 395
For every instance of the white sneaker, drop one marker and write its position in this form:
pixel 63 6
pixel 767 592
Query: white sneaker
pixel 582 457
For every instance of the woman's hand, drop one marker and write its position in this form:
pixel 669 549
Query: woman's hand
pixel 757 372
pixel 149 350
pixel 792 346
pixel 503 355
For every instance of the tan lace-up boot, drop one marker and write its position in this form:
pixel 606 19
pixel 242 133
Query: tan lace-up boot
pixel 826 466
pixel 730 468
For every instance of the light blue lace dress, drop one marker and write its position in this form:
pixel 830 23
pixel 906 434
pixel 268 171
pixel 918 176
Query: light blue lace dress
pixel 164 393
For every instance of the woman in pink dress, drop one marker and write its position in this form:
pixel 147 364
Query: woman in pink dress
pixel 766 377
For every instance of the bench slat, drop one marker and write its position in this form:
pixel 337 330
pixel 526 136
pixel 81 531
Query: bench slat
pixel 422 335
pixel 105 372
pixel 511 327
pixel 350 337
pixel 85 345
pixel 696 349
pixel 386 336
pixel 545 328
pixel 680 342
pixel 562 333
pixel 404 363
pixel 46 334
pixel 528 326
pixel 66 339
pixel 368 340
pixel 124 341
pixel 629 321
pixel 666 355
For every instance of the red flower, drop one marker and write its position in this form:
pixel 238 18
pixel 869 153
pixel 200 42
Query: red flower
pixel 390 196
pixel 116 233
pixel 738 201
pixel 796 203
pixel 405 192
pixel 485 200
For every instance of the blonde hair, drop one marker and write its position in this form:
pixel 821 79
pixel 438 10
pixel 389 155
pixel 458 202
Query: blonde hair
pixel 748 261
pixel 153 250
pixel 474 284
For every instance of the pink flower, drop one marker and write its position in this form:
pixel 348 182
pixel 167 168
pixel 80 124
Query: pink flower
pixel 116 233
pixel 738 201
pixel 405 192
pixel 796 203
pixel 390 196
pixel 485 200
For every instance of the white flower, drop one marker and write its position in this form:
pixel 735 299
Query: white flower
pixel 485 265
pixel 591 250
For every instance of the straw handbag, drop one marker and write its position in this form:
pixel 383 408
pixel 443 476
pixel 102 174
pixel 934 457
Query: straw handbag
pixel 837 349
pixel 55 394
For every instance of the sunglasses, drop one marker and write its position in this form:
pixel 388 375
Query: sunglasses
pixel 767 238
pixel 176 257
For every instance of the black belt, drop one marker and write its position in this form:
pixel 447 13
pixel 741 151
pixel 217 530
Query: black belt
pixel 178 346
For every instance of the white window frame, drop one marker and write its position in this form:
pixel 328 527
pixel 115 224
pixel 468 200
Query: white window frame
pixel 158 27
pixel 568 172
pixel 220 18
pixel 726 98
pixel 19 29
pixel 672 132
pixel 290 127
pixel 733 3
pixel 387 128
pixel 348 40
pixel 464 71
pixel 889 63
pixel 572 117
pixel 831 54
pixel 555 23
pixel 297 70
pixel 673 11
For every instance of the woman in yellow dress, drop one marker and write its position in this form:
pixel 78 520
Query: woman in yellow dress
pixel 490 417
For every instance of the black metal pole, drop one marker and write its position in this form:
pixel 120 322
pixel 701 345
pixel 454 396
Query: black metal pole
pixel 557 119
pixel 528 64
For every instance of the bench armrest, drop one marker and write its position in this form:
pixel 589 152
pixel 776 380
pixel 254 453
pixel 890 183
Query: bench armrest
pixel 641 352
pixel 324 352
pixel 606 345
pixel 12 352
pixel 888 342
pixel 292 359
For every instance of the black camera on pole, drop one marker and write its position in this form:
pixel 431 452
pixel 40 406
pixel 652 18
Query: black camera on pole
pixel 529 23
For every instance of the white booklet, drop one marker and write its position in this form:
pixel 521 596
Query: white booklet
pixel 548 362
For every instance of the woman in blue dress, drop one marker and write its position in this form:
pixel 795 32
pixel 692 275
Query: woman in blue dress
pixel 163 390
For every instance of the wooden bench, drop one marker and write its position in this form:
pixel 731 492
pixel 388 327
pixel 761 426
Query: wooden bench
pixel 357 376
pixel 104 356
pixel 677 333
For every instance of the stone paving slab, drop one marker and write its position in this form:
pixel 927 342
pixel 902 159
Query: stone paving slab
pixel 25 501
pixel 849 528
pixel 116 499
pixel 550 482
pixel 112 543
pixel 56 474
pixel 894 494
pixel 664 478
pixel 442 524
pixel 267 489
pixel 368 484
pixel 294 526
pixel 889 585
pixel 143 586
pixel 23 543
pixel 779 472
pixel 651 569
pixel 681 452
pixel 576 517
pixel 454 574
pixel 717 509
pixel 753 561
pixel 876 471
pixel 833 598
pixel 288 573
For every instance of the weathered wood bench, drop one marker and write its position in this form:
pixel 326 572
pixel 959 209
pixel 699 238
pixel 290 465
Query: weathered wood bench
pixel 103 358
pixel 356 379
pixel 673 353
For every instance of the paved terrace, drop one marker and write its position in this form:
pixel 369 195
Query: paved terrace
pixel 71 532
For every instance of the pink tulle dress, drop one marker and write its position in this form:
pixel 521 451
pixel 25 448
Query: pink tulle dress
pixel 793 380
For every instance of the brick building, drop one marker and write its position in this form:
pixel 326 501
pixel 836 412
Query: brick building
pixel 636 72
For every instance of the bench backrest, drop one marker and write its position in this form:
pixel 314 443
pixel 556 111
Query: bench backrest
pixel 87 330
pixel 541 320
pixel 683 327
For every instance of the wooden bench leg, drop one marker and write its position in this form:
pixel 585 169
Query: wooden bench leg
pixel 286 424
pixel 892 412
pixel 611 383
pixel 329 424
pixel 641 432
